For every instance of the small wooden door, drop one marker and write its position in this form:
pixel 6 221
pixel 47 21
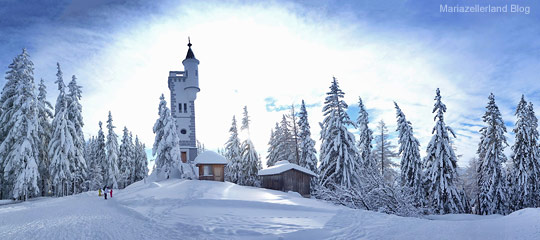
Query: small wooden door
pixel 184 157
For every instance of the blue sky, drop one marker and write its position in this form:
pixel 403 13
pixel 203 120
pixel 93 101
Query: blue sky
pixel 271 54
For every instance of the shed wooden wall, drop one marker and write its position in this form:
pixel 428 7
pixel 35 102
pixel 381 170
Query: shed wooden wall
pixel 219 172
pixel 292 180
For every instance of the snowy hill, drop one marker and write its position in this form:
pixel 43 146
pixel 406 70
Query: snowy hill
pixel 183 209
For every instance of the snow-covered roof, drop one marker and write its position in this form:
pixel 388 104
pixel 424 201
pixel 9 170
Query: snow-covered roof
pixel 210 157
pixel 283 166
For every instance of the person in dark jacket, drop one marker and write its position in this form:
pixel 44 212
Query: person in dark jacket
pixel 105 193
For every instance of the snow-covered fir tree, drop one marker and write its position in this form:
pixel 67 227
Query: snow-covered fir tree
pixel 62 145
pixel 272 156
pixel 525 156
pixel 292 119
pixel 285 149
pixel 409 149
pixel 492 197
pixel 45 115
pixel 365 138
pixel 100 158
pixel 111 148
pixel 338 151
pixel 383 153
pixel 74 114
pixel 233 153
pixel 95 173
pixel 166 144
pixel 308 154
pixel 125 160
pixel 535 157
pixel 251 164
pixel 441 163
pixel 20 147
pixel 141 169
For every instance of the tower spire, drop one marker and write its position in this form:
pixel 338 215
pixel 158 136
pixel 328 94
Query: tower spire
pixel 190 52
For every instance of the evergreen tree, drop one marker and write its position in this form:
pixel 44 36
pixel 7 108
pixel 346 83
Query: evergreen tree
pixel 440 162
pixel 141 170
pixel 365 138
pixel 62 145
pixel 124 160
pixel 100 169
pixel 491 180
pixel 285 142
pixel 111 147
pixel 74 115
pixel 44 132
pixel 233 153
pixel 20 149
pixel 308 154
pixel 338 151
pixel 294 135
pixel 525 156
pixel 272 156
pixel 7 98
pixel 250 158
pixel 409 149
pixel 95 173
pixel 383 153
pixel 166 145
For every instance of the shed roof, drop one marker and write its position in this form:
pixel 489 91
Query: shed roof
pixel 210 157
pixel 283 166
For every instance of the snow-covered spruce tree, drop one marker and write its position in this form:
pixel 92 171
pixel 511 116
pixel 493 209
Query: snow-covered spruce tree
pixel 141 169
pixel 125 160
pixel 74 114
pixel 251 164
pixel 101 158
pixel 285 142
pixel 233 153
pixel 365 138
pixel 383 152
pixel 19 150
pixel 133 158
pixel 468 180
pixel 272 156
pixel 338 151
pixel 166 145
pixel 440 163
pixel 491 180
pixel 45 116
pixel 293 123
pixel 308 154
pixel 62 146
pixel 111 147
pixel 535 157
pixel 95 173
pixel 409 149
pixel 525 156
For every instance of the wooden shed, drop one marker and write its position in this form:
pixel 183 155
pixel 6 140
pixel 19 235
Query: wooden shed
pixel 286 176
pixel 211 166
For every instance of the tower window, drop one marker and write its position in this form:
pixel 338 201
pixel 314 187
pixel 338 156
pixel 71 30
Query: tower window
pixel 185 108
pixel 183 131
pixel 180 108
pixel 196 73
pixel 186 73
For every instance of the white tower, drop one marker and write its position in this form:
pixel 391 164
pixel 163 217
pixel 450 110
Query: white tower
pixel 184 86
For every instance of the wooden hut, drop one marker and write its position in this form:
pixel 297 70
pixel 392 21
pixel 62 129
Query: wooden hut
pixel 286 176
pixel 211 166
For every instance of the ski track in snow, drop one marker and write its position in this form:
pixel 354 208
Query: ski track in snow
pixel 177 209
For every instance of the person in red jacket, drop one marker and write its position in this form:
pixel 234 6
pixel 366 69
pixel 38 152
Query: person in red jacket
pixel 111 192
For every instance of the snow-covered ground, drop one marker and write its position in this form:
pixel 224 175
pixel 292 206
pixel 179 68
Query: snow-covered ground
pixel 183 209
